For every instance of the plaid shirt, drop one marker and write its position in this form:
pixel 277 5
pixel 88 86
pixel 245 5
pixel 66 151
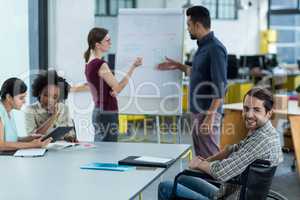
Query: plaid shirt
pixel 263 143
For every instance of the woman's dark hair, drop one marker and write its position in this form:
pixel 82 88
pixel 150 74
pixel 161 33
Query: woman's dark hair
pixel 95 35
pixel 199 14
pixel 12 87
pixel 45 78
pixel 262 94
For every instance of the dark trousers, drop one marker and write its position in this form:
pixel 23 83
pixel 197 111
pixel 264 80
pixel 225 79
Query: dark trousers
pixel 106 125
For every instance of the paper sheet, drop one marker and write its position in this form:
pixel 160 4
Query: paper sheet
pixel 153 159
pixel 30 152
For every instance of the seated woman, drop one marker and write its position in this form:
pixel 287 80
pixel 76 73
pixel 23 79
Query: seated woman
pixel 49 111
pixel 13 93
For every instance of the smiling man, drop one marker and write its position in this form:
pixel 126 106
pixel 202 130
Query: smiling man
pixel 262 142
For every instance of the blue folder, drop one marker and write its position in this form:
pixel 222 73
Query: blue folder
pixel 107 166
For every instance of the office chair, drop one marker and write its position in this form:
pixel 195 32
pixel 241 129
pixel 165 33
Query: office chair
pixel 232 66
pixel 255 181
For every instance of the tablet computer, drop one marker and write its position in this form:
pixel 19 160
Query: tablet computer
pixel 57 133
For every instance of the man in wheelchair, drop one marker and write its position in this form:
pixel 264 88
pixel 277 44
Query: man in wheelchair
pixel 261 143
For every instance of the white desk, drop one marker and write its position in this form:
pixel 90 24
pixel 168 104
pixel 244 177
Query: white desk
pixel 57 175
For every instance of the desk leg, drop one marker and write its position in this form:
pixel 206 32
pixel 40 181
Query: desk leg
pixel 157 129
pixel 295 127
pixel 174 128
pixel 188 154
pixel 179 131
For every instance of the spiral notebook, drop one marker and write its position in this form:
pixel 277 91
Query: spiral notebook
pixel 33 152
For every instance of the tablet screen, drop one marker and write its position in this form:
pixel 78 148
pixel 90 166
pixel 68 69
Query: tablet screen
pixel 58 133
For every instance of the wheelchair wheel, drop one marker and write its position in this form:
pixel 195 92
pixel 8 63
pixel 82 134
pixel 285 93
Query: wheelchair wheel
pixel 275 196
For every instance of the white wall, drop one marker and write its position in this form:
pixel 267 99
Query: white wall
pixel 152 3
pixel 69 24
pixel 241 36
pixel 14 50
pixel 111 24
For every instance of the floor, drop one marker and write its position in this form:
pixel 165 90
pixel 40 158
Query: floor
pixel 286 181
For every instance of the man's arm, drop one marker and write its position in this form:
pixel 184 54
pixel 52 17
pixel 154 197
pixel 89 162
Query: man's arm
pixel 221 155
pixel 218 76
pixel 208 123
pixel 185 68
pixel 215 104
pixel 199 163
pixel 171 64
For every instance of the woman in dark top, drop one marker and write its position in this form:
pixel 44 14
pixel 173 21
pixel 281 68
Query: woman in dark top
pixel 103 85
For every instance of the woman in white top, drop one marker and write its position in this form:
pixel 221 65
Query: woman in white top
pixel 13 93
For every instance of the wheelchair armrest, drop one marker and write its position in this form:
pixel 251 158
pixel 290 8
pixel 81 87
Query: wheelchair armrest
pixel 207 177
pixel 261 163
pixel 196 173
pixel 202 175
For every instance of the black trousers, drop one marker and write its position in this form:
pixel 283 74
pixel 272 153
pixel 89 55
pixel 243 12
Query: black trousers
pixel 106 125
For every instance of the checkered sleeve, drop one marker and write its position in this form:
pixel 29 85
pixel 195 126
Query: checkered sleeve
pixel 238 161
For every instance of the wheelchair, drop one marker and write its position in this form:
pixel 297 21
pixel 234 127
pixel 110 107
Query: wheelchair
pixel 255 182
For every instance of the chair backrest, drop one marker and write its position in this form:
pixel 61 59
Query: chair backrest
pixel 256 180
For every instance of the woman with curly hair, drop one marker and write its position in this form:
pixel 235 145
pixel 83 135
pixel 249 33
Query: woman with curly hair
pixel 12 94
pixel 49 111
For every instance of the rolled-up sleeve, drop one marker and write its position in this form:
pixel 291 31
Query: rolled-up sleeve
pixel 218 60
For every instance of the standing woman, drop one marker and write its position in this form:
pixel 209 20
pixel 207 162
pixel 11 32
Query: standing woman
pixel 104 85
pixel 13 93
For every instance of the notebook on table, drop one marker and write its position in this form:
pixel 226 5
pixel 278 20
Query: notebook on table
pixel 147 161
pixel 34 152
pixel 7 153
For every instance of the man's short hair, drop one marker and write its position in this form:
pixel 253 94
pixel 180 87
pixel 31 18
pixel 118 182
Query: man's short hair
pixel 262 94
pixel 199 14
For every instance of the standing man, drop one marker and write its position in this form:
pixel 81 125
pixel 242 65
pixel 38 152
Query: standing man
pixel 207 82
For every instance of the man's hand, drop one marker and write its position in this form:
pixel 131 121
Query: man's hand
pixel 195 163
pixel 169 64
pixel 207 125
pixel 199 163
